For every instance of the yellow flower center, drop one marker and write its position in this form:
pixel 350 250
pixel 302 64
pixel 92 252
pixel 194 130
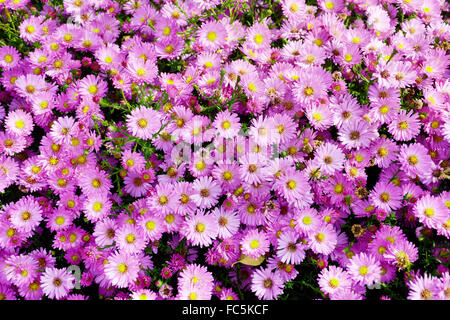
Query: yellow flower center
pixel 254 244
pixel 320 237
pixel 334 283
pixel 8 58
pixel 122 268
pixel 363 270
pixel 212 36
pixel 200 227
pixel 130 238
pixel 150 225
pixel 60 220
pixel 259 38
pixel 429 212
pixel 97 206
pixel 291 184
pixel 329 5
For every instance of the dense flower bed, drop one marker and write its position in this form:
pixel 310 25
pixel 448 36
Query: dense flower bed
pixel 224 149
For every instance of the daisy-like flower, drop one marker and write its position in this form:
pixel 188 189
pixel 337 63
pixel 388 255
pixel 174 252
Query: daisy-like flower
pixel 402 254
pixel 414 159
pixel 404 126
pixel 92 86
pixel 227 124
pixel 206 192
pixel 330 158
pixel 169 47
pixel 63 130
pixel 129 239
pixel 252 168
pixel 9 57
pixel 212 35
pixel 294 187
pixel 364 269
pixel 323 240
pixel 197 276
pixel 30 85
pixel 263 131
pixel 255 243
pixel 94 182
pixel 228 222
pixel 151 226
pixel 333 279
pixel 431 211
pixel 133 161
pixel 143 122
pixel 385 151
pixel 200 229
pixel 290 249
pixel 122 269
pixel 267 285
pixel 307 220
pixel 21 269
pixel 444 286
pixel 26 214
pixel 142 71
pixel 423 288
pixel 19 123
pixel 57 283
pixel 97 207
pixel 162 200
pixel 357 134
pixel 386 196
pixel 105 232
pixel 258 37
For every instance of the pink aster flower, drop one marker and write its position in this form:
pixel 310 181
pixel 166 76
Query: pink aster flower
pixel 206 192
pixel 323 240
pixel 57 283
pixel 21 269
pixel 151 226
pixel 423 288
pixel 307 220
pixel 129 239
pixel 143 122
pixel 196 275
pixel 267 285
pixel 334 279
pixel 401 254
pixel 26 214
pixel 364 269
pixel 290 249
pixel 404 126
pixel 19 122
pixel 227 124
pixel 294 187
pixel 330 158
pixel 64 129
pixel 386 196
pixel 97 207
pixel 92 86
pixel 200 229
pixel 431 211
pixel 414 159
pixel 9 57
pixel 122 269
pixel 255 243
pixel 212 35
pixel 228 222
pixel 94 181
pixel 357 134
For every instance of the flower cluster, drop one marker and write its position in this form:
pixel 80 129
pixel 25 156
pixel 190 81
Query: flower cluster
pixel 224 149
